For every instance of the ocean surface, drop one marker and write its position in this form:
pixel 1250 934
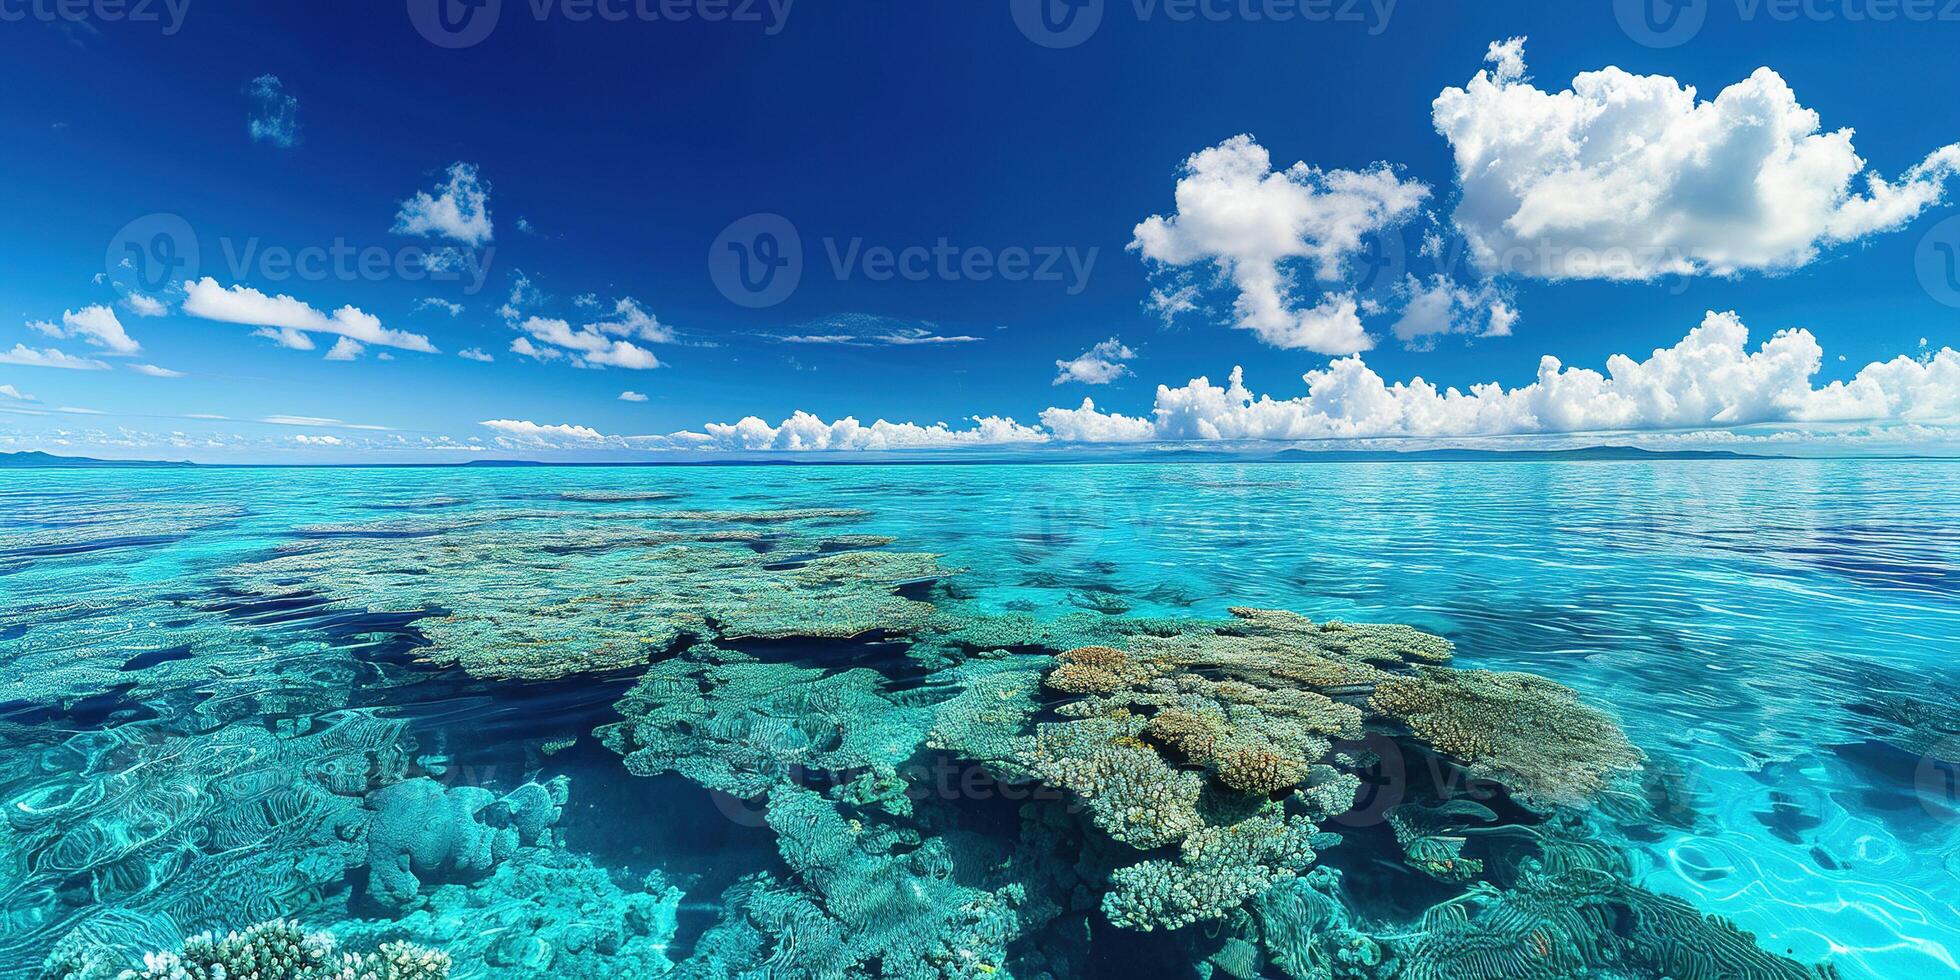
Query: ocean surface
pixel 209 678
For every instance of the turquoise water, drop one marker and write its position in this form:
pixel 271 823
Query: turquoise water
pixel 1776 636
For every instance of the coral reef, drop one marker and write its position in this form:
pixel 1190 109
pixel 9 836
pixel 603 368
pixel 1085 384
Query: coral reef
pixel 1178 736
pixel 867 900
pixel 947 792
pixel 517 597
pixel 131 832
pixel 1521 730
pixel 545 911
pixel 738 725
pixel 276 950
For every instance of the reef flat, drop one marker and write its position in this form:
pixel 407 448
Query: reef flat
pixel 483 738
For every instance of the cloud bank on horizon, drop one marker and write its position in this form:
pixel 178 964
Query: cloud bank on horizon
pixel 1709 380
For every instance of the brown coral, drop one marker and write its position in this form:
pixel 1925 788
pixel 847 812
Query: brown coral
pixel 1529 733
pixel 1253 770
pixel 1096 670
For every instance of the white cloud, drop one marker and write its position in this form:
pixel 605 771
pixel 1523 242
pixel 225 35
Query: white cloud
pixel 1099 365
pixel 286 319
pixel 476 354
pixel 96 325
pixel 523 296
pixel 631 396
pixel 9 391
pixel 1254 223
pixel 154 371
pixel 275 115
pixel 143 305
pixel 866 330
pixel 436 303
pixel 459 209
pixel 1707 380
pixel 523 347
pixel 804 431
pixel 800 432
pixel 298 420
pixel 1441 306
pixel 533 433
pixel 306 440
pixel 50 357
pixel 590 345
pixel 346 349
pixel 285 337
pixel 1624 176
pixel 631 320
pixel 1088 424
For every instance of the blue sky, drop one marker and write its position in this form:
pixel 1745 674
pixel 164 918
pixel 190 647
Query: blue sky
pixel 608 157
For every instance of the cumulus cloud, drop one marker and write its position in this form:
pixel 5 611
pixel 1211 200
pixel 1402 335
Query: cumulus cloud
pixel 534 434
pixel 1099 365
pixel 475 354
pixel 306 440
pixel 611 340
pixel 287 320
pixel 143 305
pixel 1439 305
pixel 9 391
pixel 631 396
pixel 523 347
pixel 95 325
pixel 1254 225
pixel 1624 176
pixel 629 319
pixel 1710 379
pixel 801 432
pixel 804 431
pixel 275 114
pixel 154 371
pixel 346 349
pixel 589 345
pixel 49 357
pixel 459 209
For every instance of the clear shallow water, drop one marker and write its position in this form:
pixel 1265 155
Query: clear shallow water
pixel 1778 635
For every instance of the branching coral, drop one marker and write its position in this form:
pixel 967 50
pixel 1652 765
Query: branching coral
pixel 1254 707
pixel 276 950
pixel 894 895
pixel 1218 868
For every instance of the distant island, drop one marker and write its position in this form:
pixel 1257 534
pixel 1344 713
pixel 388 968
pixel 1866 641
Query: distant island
pixel 40 460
